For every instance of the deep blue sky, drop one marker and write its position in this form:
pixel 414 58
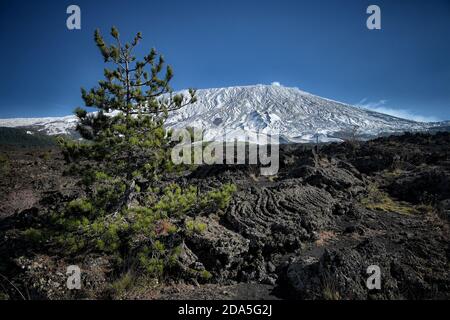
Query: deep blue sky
pixel 320 46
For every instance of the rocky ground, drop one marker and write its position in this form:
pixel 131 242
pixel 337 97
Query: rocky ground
pixel 310 232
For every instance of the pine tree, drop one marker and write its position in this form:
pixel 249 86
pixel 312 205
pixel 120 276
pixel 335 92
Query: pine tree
pixel 129 142
pixel 127 211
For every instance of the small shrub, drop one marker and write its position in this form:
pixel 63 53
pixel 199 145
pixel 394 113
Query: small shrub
pixel 80 207
pixel 205 275
pixel 153 266
pixel 123 284
pixel 33 235
pixel 220 198
pixel 195 226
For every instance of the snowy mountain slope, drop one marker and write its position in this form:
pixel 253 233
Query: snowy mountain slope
pixel 296 115
pixel 49 125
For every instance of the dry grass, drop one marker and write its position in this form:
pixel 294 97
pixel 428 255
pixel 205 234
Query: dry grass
pixel 132 286
pixel 393 173
pixel 381 201
pixel 330 289
pixel 330 294
pixel 325 237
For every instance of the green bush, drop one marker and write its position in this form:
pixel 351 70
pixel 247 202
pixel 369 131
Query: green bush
pixel 33 235
pixel 123 284
pixel 220 198
pixel 205 275
pixel 194 226
pixel 81 207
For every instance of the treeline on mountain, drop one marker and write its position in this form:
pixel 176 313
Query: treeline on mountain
pixel 20 138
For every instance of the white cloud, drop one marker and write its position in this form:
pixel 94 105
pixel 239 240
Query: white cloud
pixel 380 106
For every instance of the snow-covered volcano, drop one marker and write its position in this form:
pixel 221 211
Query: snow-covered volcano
pixel 295 115
pixel 49 125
